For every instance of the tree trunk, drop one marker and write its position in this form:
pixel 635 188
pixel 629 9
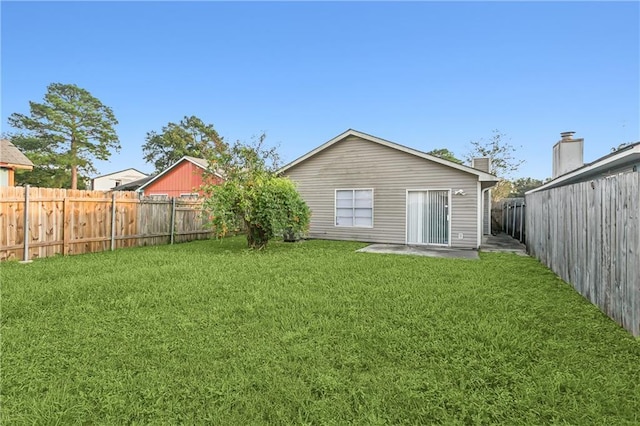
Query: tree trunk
pixel 74 177
pixel 74 167
pixel 256 237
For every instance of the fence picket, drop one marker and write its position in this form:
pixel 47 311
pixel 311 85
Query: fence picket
pixel 61 221
pixel 589 234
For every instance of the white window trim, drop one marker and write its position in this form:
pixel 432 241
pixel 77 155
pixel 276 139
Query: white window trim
pixel 406 216
pixel 190 194
pixel 335 207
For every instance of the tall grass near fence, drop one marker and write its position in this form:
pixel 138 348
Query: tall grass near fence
pixel 43 222
pixel 589 234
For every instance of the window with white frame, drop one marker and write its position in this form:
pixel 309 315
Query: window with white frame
pixel 354 207
pixel 189 196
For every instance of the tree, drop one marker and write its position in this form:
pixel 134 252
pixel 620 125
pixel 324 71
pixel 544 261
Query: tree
pixel 522 185
pixel 501 190
pixel 445 154
pixel 501 152
pixel 69 129
pixel 191 136
pixel 252 195
pixel 46 172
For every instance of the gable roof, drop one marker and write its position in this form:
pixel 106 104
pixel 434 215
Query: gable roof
pixel 626 155
pixel 482 176
pixel 120 171
pixel 199 162
pixel 133 185
pixel 12 156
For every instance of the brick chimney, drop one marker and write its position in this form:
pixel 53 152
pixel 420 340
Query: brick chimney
pixel 567 154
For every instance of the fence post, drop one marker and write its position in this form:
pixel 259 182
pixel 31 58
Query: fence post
pixel 173 217
pixel 25 233
pixel 66 225
pixel 521 220
pixel 513 228
pixel 113 221
pixel 504 218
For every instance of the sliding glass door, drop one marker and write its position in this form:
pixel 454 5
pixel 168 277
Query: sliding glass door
pixel 428 217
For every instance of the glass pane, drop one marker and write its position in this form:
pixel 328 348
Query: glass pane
pixel 363 221
pixel 366 203
pixel 363 213
pixel 344 212
pixel 344 221
pixel 414 215
pixel 344 195
pixel 437 221
pixel 363 194
pixel 344 203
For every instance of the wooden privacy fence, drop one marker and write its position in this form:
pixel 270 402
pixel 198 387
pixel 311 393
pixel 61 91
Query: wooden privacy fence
pixel 589 234
pixel 42 222
pixel 510 214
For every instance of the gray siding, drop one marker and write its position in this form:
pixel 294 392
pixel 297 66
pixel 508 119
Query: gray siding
pixel 357 163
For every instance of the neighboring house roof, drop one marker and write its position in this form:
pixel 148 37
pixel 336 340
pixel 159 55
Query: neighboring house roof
pixel 133 185
pixel 199 162
pixel 482 176
pixel 120 171
pixel 10 155
pixel 627 155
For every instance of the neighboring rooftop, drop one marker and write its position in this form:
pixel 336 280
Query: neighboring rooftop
pixel 133 185
pixel 627 155
pixel 12 156
pixel 120 171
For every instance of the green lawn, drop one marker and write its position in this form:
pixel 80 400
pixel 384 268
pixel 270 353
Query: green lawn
pixel 307 333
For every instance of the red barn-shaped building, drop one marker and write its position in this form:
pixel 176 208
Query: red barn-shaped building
pixel 184 178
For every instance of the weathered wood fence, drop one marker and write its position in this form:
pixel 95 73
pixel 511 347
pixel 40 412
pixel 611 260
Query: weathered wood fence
pixel 589 234
pixel 509 213
pixel 42 222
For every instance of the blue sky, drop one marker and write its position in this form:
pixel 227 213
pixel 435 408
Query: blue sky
pixel 424 74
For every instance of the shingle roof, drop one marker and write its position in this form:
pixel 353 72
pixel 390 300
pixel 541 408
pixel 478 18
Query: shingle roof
pixel 133 185
pixel 11 155
pixel 199 161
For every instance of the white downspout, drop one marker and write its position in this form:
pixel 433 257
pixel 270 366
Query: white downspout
pixel 484 212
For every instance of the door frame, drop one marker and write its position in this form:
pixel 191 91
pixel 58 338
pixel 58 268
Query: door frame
pixel 406 216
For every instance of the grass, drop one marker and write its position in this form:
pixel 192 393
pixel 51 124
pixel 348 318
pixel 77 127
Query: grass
pixel 308 333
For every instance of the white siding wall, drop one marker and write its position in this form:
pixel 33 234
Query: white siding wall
pixel 357 163
pixel 106 182
pixel 4 177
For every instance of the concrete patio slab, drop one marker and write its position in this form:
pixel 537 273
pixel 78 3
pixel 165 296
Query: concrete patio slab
pixel 502 243
pixel 420 251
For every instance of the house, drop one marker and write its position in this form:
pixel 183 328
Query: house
pixel 182 179
pixel 11 159
pixel 109 181
pixel 569 167
pixel 363 188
